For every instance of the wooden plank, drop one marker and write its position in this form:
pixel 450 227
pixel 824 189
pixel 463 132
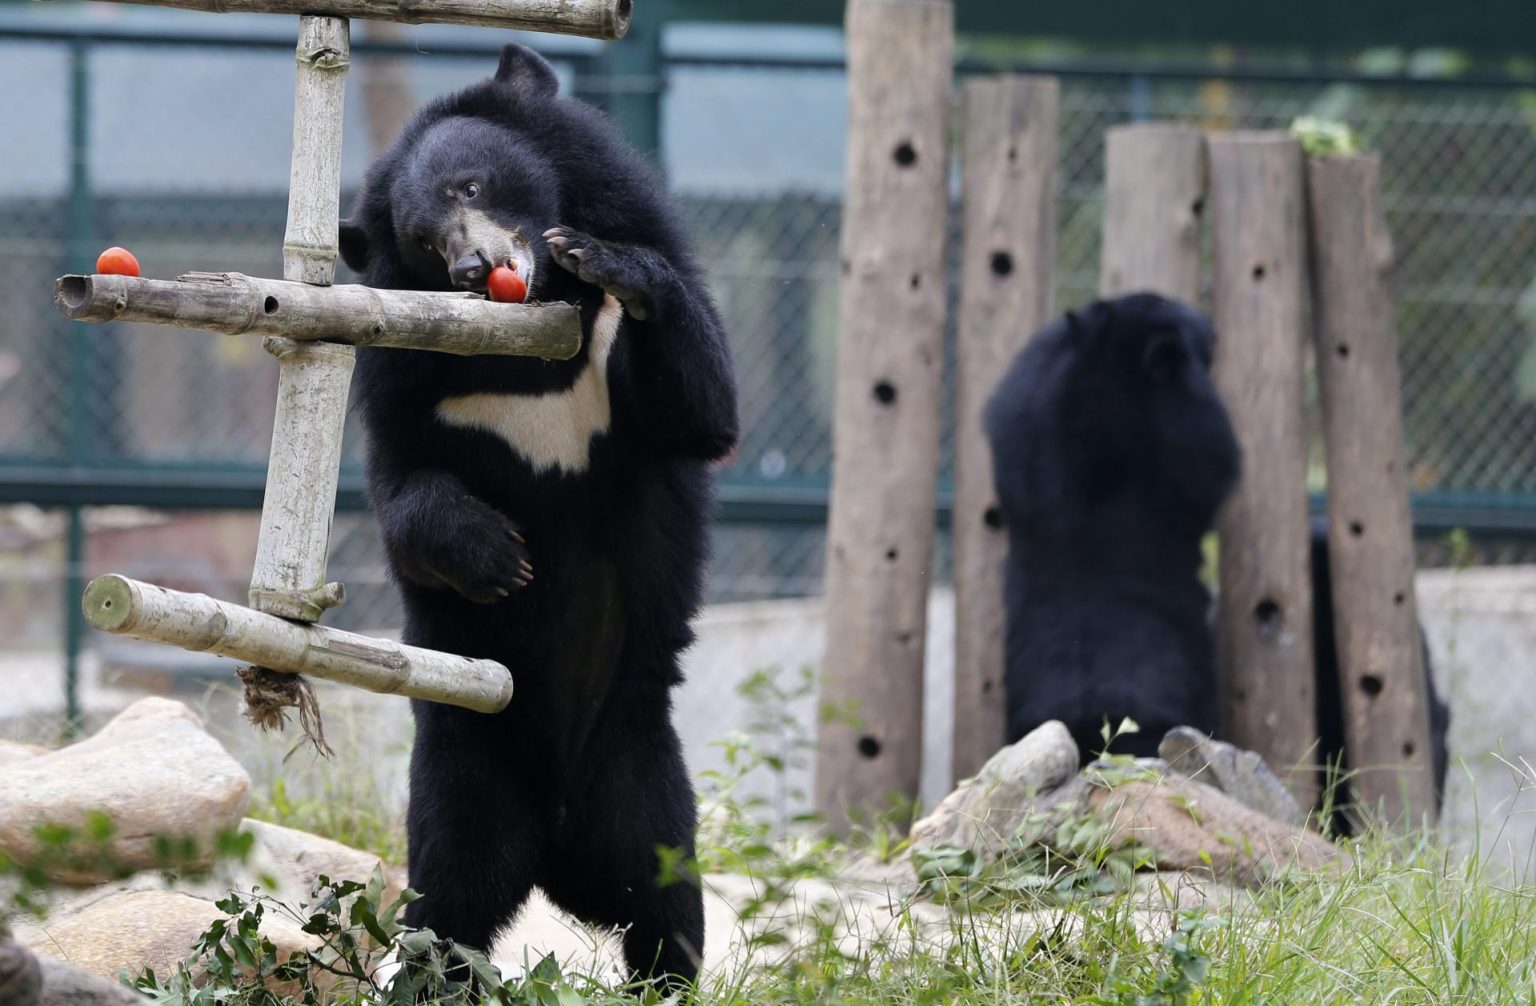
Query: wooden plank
pixel 606 19
pixel 886 436
pixel 1370 526
pixel 1257 214
pixel 127 607
pixel 465 324
pixel 1154 210
pixel 314 178
pixel 1007 272
pixel 288 576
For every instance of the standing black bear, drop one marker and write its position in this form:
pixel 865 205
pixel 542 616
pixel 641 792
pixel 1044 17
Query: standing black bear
pixel 1111 453
pixel 549 515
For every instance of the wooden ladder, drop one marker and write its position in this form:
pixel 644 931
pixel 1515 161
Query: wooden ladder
pixel 312 328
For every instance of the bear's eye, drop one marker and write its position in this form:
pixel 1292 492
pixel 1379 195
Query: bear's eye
pixel 471 190
pixel 426 244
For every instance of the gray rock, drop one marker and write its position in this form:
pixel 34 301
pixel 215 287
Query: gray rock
pixel 137 929
pixel 15 751
pixel 21 977
pixel 64 985
pixel 29 980
pixel 1240 774
pixel 1190 827
pixel 296 859
pixel 152 770
pixel 986 813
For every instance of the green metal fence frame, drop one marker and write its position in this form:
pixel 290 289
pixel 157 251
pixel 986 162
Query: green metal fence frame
pixel 79 480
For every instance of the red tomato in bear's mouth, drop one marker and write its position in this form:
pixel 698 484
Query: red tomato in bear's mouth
pixel 117 262
pixel 506 285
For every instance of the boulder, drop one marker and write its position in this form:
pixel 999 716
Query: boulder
pixel 29 980
pixel 986 812
pixel 138 929
pixel 152 771
pixel 1240 774
pixel 1189 826
pixel 296 859
pixel 12 752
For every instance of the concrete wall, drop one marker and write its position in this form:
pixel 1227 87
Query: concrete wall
pixel 1481 625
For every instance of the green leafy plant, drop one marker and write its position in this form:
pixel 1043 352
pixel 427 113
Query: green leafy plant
pixel 355 936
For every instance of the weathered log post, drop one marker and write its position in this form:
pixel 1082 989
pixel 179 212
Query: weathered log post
pixel 1154 209
pixel 313 378
pixel 1370 524
pixel 1007 270
pixel 1258 212
pixel 886 438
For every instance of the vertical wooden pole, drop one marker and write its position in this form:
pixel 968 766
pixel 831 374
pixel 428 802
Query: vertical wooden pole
pixel 1007 272
pixel 1370 526
pixel 289 574
pixel 886 439
pixel 1257 211
pixel 1154 206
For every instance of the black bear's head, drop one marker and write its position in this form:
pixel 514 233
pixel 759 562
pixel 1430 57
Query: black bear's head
pixel 1115 402
pixel 466 187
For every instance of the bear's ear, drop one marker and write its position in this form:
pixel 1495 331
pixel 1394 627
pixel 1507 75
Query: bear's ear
pixel 1164 356
pixel 527 71
pixel 353 239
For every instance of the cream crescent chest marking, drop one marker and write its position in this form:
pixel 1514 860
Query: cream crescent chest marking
pixel 553 429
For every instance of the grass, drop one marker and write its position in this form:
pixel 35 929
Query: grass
pixel 1410 922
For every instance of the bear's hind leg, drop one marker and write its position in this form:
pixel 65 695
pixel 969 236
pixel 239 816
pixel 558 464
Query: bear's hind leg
pixel 475 846
pixel 608 871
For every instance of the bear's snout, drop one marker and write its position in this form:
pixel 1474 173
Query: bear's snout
pixel 469 271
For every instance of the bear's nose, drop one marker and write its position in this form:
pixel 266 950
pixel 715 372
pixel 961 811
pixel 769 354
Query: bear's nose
pixel 470 270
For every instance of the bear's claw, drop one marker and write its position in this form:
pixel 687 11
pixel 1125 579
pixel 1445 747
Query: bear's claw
pixel 604 265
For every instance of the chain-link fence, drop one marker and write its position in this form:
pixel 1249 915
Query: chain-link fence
pixel 181 153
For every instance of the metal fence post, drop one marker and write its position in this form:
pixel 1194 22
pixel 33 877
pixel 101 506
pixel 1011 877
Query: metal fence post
pixel 77 253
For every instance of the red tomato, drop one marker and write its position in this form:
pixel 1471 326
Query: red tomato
pixel 505 285
pixel 117 262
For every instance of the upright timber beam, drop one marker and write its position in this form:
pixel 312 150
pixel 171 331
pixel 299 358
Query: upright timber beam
pixel 886 437
pixel 313 378
pixel 1370 526
pixel 606 19
pixel 1258 214
pixel 1154 206
pixel 1007 271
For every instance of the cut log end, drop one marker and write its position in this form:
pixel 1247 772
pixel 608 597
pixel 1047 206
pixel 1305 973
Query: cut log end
pixel 72 295
pixel 108 602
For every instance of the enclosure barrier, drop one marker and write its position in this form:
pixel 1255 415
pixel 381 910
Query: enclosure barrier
pixel 312 328
pixel 1007 271
pixel 1370 526
pixel 889 382
pixel 1258 215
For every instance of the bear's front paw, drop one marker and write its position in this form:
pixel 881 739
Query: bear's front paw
pixel 480 554
pixel 611 267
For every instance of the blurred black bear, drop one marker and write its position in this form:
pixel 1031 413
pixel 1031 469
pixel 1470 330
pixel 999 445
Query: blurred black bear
pixel 1111 452
pixel 552 515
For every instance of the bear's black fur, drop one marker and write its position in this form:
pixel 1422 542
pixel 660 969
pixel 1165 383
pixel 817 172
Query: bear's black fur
pixel 549 515
pixel 1111 453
